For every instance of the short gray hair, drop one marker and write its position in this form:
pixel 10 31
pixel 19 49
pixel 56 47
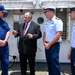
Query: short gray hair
pixel 29 14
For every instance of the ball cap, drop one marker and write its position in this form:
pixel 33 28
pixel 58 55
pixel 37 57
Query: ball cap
pixel 2 9
pixel 49 8
pixel 72 8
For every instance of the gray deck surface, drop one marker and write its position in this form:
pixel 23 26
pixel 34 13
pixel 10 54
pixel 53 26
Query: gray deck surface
pixel 41 69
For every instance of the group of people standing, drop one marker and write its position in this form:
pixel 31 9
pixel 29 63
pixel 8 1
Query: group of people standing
pixel 29 32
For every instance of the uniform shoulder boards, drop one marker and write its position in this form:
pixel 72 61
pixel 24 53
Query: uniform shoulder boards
pixel 57 18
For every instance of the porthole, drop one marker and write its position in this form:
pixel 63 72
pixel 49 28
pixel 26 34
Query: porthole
pixel 40 20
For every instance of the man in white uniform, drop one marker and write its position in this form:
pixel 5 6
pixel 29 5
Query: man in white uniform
pixel 51 40
pixel 71 53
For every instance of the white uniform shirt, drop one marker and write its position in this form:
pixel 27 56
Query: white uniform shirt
pixel 73 36
pixel 51 27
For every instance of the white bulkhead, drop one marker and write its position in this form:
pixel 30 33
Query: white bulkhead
pixel 16 10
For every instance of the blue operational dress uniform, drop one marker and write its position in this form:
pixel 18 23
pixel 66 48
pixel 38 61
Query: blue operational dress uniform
pixel 52 54
pixel 4 51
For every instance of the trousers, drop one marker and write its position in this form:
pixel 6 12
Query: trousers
pixel 4 58
pixel 73 61
pixel 52 57
pixel 23 63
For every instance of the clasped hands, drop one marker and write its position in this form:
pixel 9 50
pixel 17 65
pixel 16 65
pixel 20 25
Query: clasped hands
pixel 47 45
pixel 2 43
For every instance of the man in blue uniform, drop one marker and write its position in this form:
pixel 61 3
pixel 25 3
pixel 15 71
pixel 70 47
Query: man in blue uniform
pixel 71 53
pixel 4 36
pixel 51 40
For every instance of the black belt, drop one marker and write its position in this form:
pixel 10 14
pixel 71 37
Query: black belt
pixel 73 48
pixel 46 42
pixel 54 43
